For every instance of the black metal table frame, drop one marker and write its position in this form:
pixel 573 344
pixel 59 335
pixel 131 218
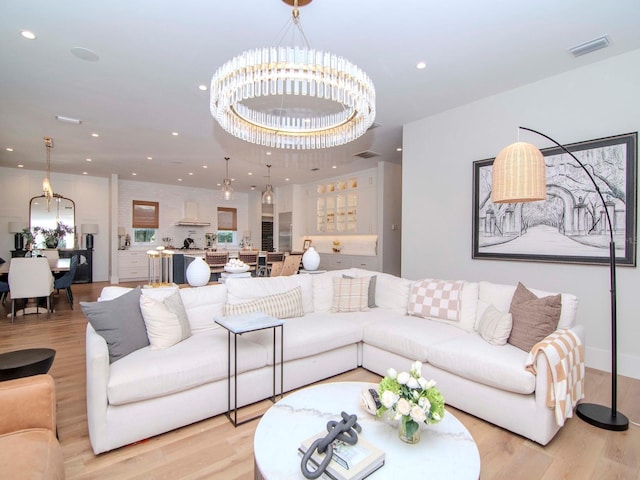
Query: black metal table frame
pixel 234 420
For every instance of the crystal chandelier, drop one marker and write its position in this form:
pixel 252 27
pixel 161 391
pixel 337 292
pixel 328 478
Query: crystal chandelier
pixel 47 189
pixel 293 97
pixel 267 196
pixel 227 191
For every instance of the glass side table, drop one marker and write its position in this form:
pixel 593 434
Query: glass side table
pixel 237 325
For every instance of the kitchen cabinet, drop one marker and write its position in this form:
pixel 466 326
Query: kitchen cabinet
pixel 132 265
pixel 338 261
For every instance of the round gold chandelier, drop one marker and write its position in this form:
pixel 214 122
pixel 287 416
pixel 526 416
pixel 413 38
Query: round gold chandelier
pixel 293 97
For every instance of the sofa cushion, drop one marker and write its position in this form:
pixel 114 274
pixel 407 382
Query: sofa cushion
pixel 406 335
pixel 469 356
pixel 166 320
pixel 392 292
pixel 533 318
pixel 500 297
pixel 199 359
pixel 371 292
pixel 310 335
pixel 241 290
pixel 323 288
pixel 495 326
pixel 202 304
pixel 279 305
pixel 119 322
pixel 436 298
pixel 350 294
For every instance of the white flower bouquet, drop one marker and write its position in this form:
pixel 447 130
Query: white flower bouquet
pixel 411 399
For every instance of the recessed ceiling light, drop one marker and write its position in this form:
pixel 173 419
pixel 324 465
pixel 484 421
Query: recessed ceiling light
pixel 268 153
pixel 253 187
pixel 75 121
pixel 20 166
pixel 175 134
pixel 134 174
pixel 9 149
pixel 421 65
pixel 286 179
pixel 218 185
pixel 250 173
pixel 334 166
pixel 84 173
pixel 190 173
pixel 149 158
pixel 399 149
pixel 96 135
pixel 28 35
pixel 179 179
pixel 88 159
pixel 203 88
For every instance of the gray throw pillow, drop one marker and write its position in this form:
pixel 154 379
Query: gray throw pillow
pixel 119 322
pixel 372 290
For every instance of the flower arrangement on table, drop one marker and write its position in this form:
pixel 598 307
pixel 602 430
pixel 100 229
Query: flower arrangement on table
pixel 409 398
pixel 52 236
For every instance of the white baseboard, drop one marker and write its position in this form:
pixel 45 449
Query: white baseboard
pixel 628 365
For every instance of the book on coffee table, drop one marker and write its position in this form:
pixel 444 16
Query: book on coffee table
pixel 349 462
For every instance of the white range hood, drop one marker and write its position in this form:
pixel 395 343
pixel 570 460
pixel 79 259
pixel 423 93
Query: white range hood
pixel 191 218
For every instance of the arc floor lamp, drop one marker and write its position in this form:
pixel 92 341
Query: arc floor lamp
pixel 519 176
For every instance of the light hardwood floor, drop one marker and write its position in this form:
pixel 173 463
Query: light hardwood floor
pixel 213 449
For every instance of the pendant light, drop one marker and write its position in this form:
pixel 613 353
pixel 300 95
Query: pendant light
pixel 47 189
pixel 268 195
pixel 227 191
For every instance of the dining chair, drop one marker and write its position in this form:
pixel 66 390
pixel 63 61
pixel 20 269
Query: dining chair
pixel 216 261
pixel 251 259
pixel 4 290
pixel 30 278
pixel 65 281
pixel 290 266
pixel 273 257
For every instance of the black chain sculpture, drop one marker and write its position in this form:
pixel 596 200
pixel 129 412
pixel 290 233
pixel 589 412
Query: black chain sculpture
pixel 346 430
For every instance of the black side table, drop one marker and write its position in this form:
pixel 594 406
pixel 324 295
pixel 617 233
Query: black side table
pixel 24 363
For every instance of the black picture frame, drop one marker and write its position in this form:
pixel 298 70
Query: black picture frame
pixel 570 225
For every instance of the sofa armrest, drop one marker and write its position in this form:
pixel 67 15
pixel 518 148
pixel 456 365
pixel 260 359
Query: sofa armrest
pixel 542 366
pixel 97 365
pixel 28 402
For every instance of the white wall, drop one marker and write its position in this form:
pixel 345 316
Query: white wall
pixel 591 102
pixel 172 199
pixel 91 197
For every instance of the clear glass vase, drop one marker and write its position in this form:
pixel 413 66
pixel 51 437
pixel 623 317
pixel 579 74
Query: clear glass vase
pixel 409 431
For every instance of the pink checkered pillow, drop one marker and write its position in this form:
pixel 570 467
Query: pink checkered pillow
pixel 436 298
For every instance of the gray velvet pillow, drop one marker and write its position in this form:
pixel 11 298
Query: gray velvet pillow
pixel 372 290
pixel 533 318
pixel 119 322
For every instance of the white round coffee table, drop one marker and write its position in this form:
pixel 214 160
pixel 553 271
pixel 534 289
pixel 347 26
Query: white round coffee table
pixel 446 450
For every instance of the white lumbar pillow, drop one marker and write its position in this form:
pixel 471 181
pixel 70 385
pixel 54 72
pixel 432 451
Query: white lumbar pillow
pixel 495 326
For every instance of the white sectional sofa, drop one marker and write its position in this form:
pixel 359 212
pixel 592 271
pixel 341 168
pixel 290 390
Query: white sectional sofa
pixel 149 392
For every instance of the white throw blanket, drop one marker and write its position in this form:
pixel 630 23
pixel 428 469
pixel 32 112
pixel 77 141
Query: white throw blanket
pixel 565 375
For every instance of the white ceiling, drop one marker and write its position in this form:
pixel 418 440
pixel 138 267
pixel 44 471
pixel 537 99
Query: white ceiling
pixel 153 55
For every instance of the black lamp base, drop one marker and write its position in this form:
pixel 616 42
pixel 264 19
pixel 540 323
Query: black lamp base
pixel 18 241
pixel 602 417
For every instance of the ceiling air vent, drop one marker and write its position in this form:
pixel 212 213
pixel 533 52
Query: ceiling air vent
pixel 590 46
pixel 366 154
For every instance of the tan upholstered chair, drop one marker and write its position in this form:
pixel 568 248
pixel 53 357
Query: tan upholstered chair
pixel 273 257
pixel 250 258
pixel 30 278
pixel 28 444
pixel 290 266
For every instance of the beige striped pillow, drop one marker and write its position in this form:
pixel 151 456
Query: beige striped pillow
pixel 350 294
pixel 280 305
